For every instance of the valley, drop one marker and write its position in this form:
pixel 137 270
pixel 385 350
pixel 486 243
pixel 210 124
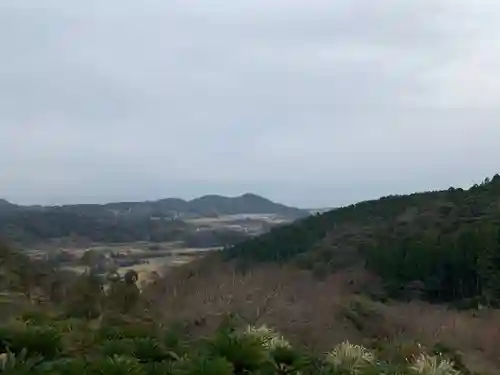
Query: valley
pixel 152 259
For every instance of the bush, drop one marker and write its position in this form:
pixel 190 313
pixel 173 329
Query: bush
pixel 203 366
pixel 66 366
pixel 116 365
pixel 36 317
pixel 149 349
pixel 118 326
pixel 287 360
pixel 159 368
pixel 44 341
pixel 351 359
pixel 173 340
pixel 17 364
pixel 451 354
pixel 124 346
pixel 244 352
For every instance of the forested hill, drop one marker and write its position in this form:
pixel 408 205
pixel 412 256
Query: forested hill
pixel 162 220
pixel 209 205
pixel 443 244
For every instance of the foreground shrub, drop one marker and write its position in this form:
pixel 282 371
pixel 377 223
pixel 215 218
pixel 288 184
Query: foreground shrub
pixel 451 354
pixel 267 337
pixel 200 365
pixel 281 357
pixel 244 352
pixel 397 352
pixel 116 365
pixel 17 364
pixel 66 366
pixel 347 358
pixel 37 317
pixel 118 326
pixel 433 365
pixel 159 368
pixel 121 345
pixel 286 360
pixel 173 338
pixel 44 341
pixel 149 349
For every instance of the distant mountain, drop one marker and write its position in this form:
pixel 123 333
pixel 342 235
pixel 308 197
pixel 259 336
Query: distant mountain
pixel 208 205
pixel 244 204
pixel 7 207
pixel 160 220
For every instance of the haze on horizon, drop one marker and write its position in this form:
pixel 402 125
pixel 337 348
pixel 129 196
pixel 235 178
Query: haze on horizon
pixel 310 104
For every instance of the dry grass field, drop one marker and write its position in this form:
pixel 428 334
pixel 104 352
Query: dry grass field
pixel 232 218
pixel 156 265
pixel 168 255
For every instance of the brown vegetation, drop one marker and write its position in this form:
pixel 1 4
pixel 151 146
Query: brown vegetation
pixel 320 313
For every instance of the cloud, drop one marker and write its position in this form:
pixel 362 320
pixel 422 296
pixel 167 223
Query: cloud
pixel 318 103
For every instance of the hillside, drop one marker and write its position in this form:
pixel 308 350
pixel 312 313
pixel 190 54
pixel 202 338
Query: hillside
pixel 381 274
pixel 203 318
pixel 162 220
pixel 444 245
pixel 7 207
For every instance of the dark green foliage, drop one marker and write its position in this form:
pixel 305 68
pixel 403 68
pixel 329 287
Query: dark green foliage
pixel 213 238
pixel 442 246
pixel 453 355
pixel 117 326
pixel 173 339
pixel 64 366
pixel 18 363
pixel 36 340
pixel 158 368
pixel 150 349
pixel 202 365
pixel 116 365
pixel 114 347
pixel 288 361
pixel 450 267
pixel 243 352
pixel 36 317
pixel 282 243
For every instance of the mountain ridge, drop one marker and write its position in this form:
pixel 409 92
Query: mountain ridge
pixel 210 204
pixel 157 221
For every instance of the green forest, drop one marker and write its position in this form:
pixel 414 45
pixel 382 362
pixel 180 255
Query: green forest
pixel 443 246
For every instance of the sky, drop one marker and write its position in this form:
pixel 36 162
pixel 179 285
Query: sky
pixel 310 103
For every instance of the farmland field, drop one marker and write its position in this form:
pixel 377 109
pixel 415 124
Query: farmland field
pixel 147 258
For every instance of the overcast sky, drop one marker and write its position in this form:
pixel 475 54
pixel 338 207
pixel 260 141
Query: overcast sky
pixel 311 103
